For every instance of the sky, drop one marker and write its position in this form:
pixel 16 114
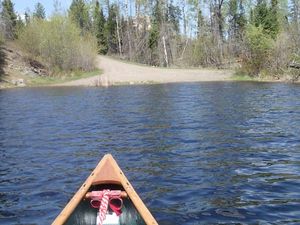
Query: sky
pixel 20 6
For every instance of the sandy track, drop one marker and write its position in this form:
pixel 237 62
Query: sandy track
pixel 117 72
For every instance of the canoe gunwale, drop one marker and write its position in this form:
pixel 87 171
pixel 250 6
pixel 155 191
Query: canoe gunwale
pixel 106 172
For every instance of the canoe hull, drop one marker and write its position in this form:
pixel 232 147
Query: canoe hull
pixel 107 175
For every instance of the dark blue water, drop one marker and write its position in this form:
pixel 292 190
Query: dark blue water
pixel 211 153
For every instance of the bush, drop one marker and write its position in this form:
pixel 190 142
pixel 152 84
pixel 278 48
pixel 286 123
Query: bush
pixel 204 52
pixel 258 50
pixel 280 55
pixel 59 44
pixel 2 30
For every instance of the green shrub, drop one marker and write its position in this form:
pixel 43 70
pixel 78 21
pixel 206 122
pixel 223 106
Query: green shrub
pixel 59 44
pixel 259 47
pixel 203 52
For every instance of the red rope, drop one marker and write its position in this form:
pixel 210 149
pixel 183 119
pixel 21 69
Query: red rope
pixel 101 200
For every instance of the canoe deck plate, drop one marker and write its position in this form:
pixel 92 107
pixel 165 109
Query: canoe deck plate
pixel 111 219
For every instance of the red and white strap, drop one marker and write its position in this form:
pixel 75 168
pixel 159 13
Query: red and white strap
pixel 111 198
pixel 104 206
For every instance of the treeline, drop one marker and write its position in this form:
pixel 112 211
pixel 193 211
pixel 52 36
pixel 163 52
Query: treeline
pixel 57 42
pixel 262 36
pixel 259 37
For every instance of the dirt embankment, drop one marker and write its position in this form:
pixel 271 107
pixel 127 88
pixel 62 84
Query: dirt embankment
pixel 16 68
pixel 116 72
pixel 19 70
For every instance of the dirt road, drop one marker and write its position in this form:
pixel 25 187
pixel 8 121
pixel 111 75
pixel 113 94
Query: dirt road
pixel 116 72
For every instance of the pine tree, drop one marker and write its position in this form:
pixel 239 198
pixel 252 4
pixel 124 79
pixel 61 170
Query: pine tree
pixel 241 20
pixel 200 23
pixel 79 13
pixel 99 28
pixel 233 17
pixel 267 17
pixel 27 17
pixel 111 29
pixel 274 18
pixel 156 24
pixel 173 16
pixel 237 19
pixel 9 18
pixel 39 11
pixel 19 25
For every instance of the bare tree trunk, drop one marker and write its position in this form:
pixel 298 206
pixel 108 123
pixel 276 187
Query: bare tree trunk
pixel 119 39
pixel 128 31
pixel 118 30
pixel 184 18
pixel 183 51
pixel 165 51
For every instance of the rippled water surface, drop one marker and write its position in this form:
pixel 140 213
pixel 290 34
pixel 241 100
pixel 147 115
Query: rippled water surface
pixel 210 153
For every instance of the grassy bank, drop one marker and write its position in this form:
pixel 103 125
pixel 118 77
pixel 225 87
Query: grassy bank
pixel 51 80
pixel 238 76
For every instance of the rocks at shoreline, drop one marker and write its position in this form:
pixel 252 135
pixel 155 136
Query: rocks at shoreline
pixel 19 82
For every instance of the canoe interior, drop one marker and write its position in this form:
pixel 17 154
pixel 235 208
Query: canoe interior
pixel 84 214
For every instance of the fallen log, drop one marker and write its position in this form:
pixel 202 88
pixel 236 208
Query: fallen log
pixel 295 65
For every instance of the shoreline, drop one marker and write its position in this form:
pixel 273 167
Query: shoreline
pixel 117 72
pixel 113 72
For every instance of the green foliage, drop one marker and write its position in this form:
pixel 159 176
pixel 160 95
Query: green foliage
pixel 153 40
pixel 173 16
pixel 200 22
pixel 237 18
pixel 203 52
pixel 9 19
pixel 59 44
pixel 74 75
pixel 267 17
pixel 157 16
pixel 19 26
pixel 99 28
pixel 111 29
pixel 2 37
pixel 39 11
pixel 27 17
pixel 153 44
pixel 259 46
pixel 79 13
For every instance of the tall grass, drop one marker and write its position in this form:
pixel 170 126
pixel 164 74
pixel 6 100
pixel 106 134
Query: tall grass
pixel 59 44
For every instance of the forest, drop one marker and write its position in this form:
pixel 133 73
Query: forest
pixel 256 37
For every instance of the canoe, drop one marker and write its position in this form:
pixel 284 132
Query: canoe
pixel 106 198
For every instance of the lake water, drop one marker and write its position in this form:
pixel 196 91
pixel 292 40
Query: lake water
pixel 206 153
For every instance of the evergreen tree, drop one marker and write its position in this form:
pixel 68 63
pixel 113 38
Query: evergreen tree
pixel 27 17
pixel 99 28
pixel 233 16
pixel 111 29
pixel 267 17
pixel 241 20
pixel 79 13
pixel 39 11
pixel 274 18
pixel 237 19
pixel 157 20
pixel 200 23
pixel 19 25
pixel 173 16
pixel 9 18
